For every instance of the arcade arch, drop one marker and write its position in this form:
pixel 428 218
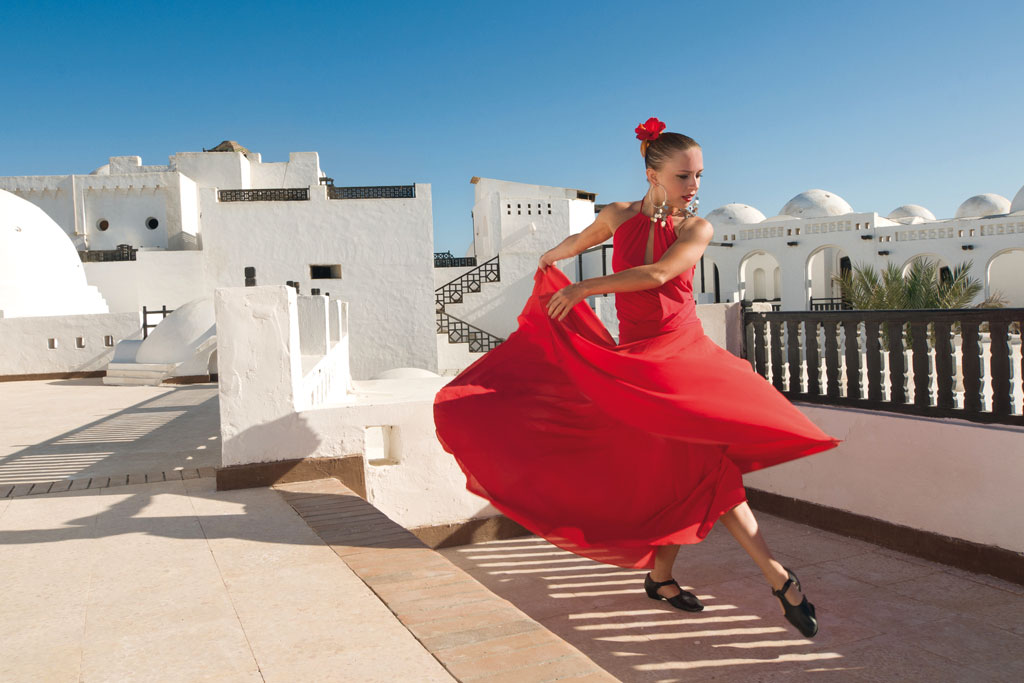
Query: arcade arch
pixel 760 277
pixel 1004 273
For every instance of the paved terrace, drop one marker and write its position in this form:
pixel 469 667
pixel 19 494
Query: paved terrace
pixel 172 580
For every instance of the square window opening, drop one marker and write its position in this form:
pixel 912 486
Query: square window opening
pixel 325 272
pixel 381 445
pixel 51 343
pixel 79 342
pixel 108 340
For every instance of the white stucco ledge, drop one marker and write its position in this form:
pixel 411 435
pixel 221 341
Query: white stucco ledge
pixel 370 392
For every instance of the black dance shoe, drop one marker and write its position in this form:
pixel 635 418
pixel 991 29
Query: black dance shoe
pixel 802 615
pixel 685 601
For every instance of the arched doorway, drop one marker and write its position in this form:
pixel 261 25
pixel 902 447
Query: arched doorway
pixel 823 265
pixel 1004 274
pixel 945 273
pixel 706 281
pixel 760 278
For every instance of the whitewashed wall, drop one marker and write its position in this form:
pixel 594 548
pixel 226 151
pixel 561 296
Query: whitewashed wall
pixel 25 342
pixel 384 248
pixel 154 279
pixel 950 477
pixel 519 222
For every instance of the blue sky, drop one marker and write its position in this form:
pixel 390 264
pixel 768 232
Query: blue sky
pixel 884 103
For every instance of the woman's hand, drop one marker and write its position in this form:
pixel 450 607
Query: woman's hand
pixel 564 299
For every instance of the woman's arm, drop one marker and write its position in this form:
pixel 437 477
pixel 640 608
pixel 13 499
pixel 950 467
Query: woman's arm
pixel 693 237
pixel 597 232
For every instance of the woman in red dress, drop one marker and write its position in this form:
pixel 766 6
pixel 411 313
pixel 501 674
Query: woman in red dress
pixel 621 452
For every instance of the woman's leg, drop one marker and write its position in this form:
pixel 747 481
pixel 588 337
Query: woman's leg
pixel 741 524
pixel 664 558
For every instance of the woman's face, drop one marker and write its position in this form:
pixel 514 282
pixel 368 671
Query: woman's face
pixel 680 176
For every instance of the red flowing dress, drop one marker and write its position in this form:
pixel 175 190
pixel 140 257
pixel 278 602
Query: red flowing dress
pixel 609 450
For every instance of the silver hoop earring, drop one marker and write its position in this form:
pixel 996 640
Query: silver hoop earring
pixel 659 209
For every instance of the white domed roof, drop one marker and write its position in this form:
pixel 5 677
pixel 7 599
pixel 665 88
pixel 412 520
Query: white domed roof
pixel 987 204
pixel 734 214
pixel 40 271
pixel 176 338
pixel 1018 201
pixel 816 204
pixel 102 170
pixel 908 212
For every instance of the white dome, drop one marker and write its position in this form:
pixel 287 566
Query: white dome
pixel 102 170
pixel 177 337
pixel 908 212
pixel 987 204
pixel 40 271
pixel 1018 201
pixel 405 373
pixel 816 204
pixel 734 214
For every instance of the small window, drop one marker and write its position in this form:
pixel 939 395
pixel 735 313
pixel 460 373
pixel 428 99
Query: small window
pixel 79 342
pixel 152 223
pixel 102 224
pixel 51 343
pixel 381 445
pixel 108 340
pixel 327 272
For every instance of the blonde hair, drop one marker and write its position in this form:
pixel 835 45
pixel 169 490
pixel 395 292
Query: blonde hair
pixel 656 152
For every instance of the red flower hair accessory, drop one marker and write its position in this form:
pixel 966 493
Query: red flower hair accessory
pixel 649 130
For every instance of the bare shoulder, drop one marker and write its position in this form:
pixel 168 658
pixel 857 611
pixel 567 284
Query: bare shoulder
pixel 616 213
pixel 695 229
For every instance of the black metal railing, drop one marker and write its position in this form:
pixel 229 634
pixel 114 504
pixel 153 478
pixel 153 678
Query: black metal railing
pixel 461 332
pixel 830 303
pixel 123 252
pixel 601 251
pixel 267 194
pixel 471 281
pixel 963 363
pixel 146 313
pixel 372 192
pixel 444 259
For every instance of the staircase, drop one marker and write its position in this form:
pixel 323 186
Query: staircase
pixel 147 374
pixel 459 331
pixel 470 281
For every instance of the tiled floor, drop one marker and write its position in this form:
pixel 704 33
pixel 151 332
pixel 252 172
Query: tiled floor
pixel 883 616
pixel 58 430
pixel 175 582
pixel 476 635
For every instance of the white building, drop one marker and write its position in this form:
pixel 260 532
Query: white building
pixel 196 224
pixel 791 257
pixel 52 322
pixel 513 224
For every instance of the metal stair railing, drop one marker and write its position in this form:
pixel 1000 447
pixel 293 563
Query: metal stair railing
pixel 470 281
pixel 461 332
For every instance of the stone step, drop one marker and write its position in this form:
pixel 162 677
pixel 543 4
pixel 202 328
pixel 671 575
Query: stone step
pixel 473 633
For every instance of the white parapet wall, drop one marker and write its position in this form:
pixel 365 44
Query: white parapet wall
pixel 280 400
pixel 265 379
pixel 63 343
pixel 947 476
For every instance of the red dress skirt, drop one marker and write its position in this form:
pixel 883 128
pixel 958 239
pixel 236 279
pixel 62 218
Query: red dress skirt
pixel 609 450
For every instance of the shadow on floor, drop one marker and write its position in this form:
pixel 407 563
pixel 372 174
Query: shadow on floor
pixel 880 613
pixel 176 430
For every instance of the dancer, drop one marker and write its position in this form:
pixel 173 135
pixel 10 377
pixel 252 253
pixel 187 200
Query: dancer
pixel 621 452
